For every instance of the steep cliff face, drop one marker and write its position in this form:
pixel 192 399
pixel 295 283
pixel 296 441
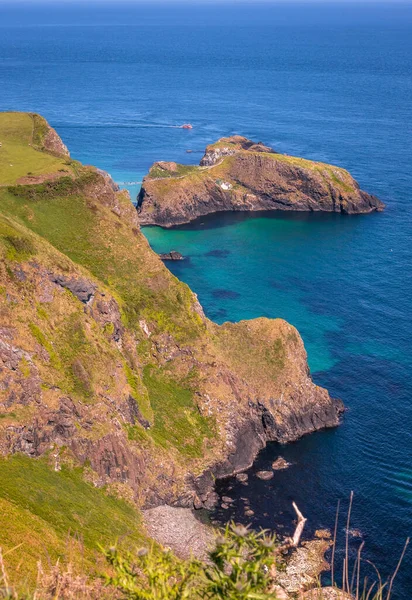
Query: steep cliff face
pixel 237 174
pixel 107 360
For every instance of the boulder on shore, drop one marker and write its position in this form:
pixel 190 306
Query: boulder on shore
pixel 172 255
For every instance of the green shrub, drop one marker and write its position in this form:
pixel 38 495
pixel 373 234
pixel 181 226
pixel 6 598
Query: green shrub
pixel 19 247
pixel 49 190
pixel 152 575
pixel 238 569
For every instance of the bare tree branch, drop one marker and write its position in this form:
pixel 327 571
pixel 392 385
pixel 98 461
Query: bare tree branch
pixel 299 527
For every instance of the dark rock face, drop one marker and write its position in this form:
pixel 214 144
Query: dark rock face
pixel 81 288
pixel 57 427
pixel 237 174
pixel 106 312
pixel 254 435
pixel 134 413
pixel 17 388
pixel 172 255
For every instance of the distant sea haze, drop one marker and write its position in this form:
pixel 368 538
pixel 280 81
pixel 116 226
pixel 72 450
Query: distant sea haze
pixel 288 13
pixel 330 83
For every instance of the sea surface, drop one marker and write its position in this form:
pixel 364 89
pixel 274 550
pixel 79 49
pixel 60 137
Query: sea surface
pixel 329 83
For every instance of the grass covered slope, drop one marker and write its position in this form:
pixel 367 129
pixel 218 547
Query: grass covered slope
pixel 238 174
pixel 53 515
pixel 29 150
pixel 108 364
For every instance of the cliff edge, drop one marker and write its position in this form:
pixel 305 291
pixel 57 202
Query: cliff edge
pixel 236 174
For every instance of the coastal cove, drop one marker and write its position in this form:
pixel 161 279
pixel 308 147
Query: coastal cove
pixel 324 84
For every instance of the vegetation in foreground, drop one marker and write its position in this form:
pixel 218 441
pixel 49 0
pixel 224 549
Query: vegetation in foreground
pixel 58 516
pixel 242 566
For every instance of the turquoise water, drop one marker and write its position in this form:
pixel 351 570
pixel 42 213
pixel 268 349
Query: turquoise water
pixel 341 282
pixel 330 83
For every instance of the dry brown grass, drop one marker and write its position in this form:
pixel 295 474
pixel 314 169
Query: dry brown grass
pixel 56 582
pixel 354 584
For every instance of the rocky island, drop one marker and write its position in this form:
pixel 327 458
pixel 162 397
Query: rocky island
pixel 237 174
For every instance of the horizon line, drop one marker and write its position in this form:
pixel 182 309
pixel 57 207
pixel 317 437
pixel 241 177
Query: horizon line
pixel 191 3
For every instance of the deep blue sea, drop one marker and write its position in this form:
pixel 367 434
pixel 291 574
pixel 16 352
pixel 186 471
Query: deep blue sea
pixel 329 83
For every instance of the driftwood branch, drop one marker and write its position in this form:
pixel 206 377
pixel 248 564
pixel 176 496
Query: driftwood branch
pixel 299 527
pixel 293 542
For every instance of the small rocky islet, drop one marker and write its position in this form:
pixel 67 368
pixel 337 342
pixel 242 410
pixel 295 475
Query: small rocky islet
pixel 237 174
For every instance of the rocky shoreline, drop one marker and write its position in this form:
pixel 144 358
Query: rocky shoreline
pixel 188 537
pixel 172 255
pixel 253 437
pixel 179 530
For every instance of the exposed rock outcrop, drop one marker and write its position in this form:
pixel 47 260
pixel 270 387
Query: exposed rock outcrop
pixel 265 475
pixel 280 464
pixel 230 146
pixel 47 139
pixel 237 174
pixel 53 143
pixel 81 288
pixel 304 567
pixel 173 255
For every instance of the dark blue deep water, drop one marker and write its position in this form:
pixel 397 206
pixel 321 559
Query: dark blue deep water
pixel 328 83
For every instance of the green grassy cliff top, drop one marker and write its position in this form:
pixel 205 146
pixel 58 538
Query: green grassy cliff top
pixel 23 153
